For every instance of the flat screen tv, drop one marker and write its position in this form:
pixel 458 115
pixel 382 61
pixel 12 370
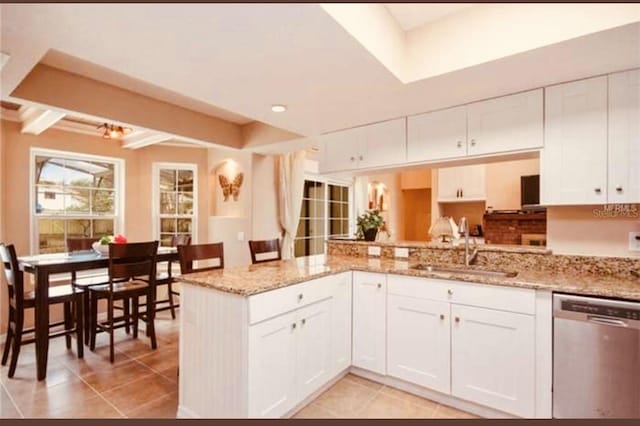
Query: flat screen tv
pixel 530 192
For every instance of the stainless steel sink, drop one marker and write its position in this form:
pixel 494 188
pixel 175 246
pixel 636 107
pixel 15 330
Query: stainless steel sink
pixel 481 272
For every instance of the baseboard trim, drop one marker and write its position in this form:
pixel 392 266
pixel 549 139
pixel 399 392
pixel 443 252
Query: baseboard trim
pixel 452 401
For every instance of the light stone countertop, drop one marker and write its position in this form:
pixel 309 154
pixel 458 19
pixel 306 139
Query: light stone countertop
pixel 254 279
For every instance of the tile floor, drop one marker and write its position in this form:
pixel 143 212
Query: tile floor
pixel 143 383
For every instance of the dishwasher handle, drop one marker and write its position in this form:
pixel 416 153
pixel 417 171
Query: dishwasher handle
pixel 607 321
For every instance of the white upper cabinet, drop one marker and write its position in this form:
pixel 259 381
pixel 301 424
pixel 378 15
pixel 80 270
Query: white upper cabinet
pixel 384 144
pixel 369 321
pixel 624 137
pixel 508 123
pixel 463 183
pixel 377 145
pixel 437 135
pixel 573 167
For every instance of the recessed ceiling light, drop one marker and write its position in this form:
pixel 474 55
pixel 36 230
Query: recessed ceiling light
pixel 278 108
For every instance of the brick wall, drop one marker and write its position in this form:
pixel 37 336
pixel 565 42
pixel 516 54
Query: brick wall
pixel 507 228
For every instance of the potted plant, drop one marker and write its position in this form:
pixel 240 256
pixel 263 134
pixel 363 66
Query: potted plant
pixel 368 225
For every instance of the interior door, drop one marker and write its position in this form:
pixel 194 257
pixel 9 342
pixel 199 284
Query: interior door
pixel 369 321
pixel 624 137
pixel 493 358
pixel 418 341
pixel 437 135
pixel 272 347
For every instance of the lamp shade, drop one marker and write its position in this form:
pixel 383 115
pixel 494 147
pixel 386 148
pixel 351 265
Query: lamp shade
pixel 442 228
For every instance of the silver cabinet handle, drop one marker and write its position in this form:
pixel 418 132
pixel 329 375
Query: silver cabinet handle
pixel 293 326
pixel 473 142
pixel 607 321
pixel 597 190
pixel 619 188
pixel 459 144
pixel 304 321
pixel 300 296
pixel 450 292
pixel 441 316
pixel 457 319
pixel 379 285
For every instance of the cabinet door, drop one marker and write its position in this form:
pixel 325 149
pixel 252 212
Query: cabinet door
pixel 313 360
pixel 508 123
pixel 272 366
pixel 437 135
pixel 341 329
pixel 493 359
pixel 472 182
pixel 383 144
pixel 449 184
pixel 573 165
pixel 369 321
pixel 624 137
pixel 418 335
pixel 340 150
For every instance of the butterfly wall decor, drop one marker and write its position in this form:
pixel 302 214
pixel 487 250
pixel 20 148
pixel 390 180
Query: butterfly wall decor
pixel 231 188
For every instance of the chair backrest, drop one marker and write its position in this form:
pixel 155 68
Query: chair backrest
pixel 189 253
pixel 264 247
pixel 14 276
pixel 180 240
pixel 132 260
pixel 80 244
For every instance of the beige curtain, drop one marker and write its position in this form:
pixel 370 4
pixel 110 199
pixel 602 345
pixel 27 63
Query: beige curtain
pixel 290 189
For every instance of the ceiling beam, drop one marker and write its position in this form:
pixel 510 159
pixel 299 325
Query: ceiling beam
pixel 36 120
pixel 137 140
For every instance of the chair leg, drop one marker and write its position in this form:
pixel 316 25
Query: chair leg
pixel 110 320
pixel 17 340
pixel 127 312
pixel 135 314
pixel 7 346
pixel 79 326
pixel 94 323
pixel 149 316
pixel 86 316
pixel 170 296
pixel 68 322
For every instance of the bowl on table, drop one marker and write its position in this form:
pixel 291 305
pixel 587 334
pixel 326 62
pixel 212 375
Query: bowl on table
pixel 102 249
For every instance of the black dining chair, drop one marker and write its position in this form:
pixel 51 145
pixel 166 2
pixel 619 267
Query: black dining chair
pixel 201 252
pixel 265 250
pixel 166 278
pixel 19 301
pixel 132 274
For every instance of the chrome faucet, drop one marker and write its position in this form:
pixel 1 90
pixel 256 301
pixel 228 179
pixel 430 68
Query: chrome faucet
pixel 464 229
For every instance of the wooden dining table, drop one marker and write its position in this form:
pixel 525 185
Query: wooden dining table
pixel 43 266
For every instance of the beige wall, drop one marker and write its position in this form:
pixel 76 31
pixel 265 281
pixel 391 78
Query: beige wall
pixel 576 230
pixel 416 179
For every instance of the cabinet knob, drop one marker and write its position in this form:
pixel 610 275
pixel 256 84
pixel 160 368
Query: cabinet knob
pixel 597 190
pixel 619 188
pixel 304 321
pixel 379 285
pixel 353 159
pixel 457 319
pixel 293 326
pixel 450 292
pixel 441 316
pixel 360 158
pixel 473 142
pixel 300 296
pixel 459 144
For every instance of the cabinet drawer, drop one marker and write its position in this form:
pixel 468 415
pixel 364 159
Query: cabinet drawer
pixel 275 302
pixel 511 299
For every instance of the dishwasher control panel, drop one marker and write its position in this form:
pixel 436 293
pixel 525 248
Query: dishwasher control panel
pixel 601 310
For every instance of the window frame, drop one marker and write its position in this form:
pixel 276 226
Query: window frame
pixel 118 188
pixel 349 183
pixel 155 197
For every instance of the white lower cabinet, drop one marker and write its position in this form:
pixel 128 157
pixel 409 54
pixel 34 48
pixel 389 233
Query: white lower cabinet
pixel 418 341
pixel 493 358
pixel 369 321
pixel 341 325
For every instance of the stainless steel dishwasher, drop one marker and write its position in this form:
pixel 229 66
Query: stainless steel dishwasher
pixel 596 357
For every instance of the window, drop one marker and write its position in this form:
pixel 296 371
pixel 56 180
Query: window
pixel 176 201
pixel 324 213
pixel 75 196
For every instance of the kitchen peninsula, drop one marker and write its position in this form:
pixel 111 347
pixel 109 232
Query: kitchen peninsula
pixel 264 340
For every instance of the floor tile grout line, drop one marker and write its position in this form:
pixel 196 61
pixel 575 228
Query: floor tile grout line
pixel 152 401
pixel 6 391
